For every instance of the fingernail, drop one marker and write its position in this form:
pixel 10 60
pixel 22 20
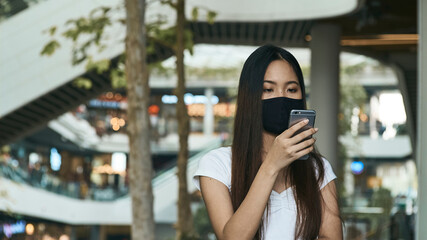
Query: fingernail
pixel 305 120
pixel 316 129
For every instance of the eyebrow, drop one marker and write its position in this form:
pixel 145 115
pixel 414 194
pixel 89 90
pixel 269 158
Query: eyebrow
pixel 287 83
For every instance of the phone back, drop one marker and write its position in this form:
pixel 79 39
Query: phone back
pixel 299 115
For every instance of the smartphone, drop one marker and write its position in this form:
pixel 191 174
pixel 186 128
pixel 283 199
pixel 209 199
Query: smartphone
pixel 299 115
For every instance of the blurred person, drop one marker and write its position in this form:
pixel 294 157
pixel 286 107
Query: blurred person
pixel 5 161
pixel 84 190
pixel 36 174
pixel 257 188
pixel 5 157
pixel 100 128
pixel 382 198
pixel 400 224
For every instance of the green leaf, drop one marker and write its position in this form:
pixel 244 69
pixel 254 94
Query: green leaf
pixel 211 17
pixel 73 34
pixel 118 78
pixel 105 10
pixel 195 13
pixel 122 21
pixel 168 2
pixel 82 82
pixel 151 49
pixel 101 48
pixel 79 55
pixel 99 66
pixel 69 21
pixel 50 48
pixel 52 30
pixel 165 37
pixel 188 38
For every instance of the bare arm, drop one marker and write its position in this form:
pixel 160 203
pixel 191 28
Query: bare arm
pixel 244 223
pixel 330 227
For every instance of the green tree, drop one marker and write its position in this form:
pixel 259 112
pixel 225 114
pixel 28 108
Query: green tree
pixel 177 38
pixel 185 218
pixel 182 39
pixel 135 77
pixel 140 172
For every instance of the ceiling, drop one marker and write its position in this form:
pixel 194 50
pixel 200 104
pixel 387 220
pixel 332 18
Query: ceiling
pixel 383 29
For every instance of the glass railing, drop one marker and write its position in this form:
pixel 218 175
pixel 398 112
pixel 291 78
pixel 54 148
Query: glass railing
pixel 51 183
pixel 364 129
pixel 80 190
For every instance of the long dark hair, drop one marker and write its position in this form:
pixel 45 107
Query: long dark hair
pixel 247 145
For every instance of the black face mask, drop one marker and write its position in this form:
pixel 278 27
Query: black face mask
pixel 276 111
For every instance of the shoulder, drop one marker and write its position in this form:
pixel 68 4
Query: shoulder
pixel 215 164
pixel 219 157
pixel 328 171
pixel 222 153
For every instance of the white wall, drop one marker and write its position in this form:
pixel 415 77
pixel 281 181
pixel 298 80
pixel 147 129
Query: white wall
pixel 24 73
pixel 274 10
pixel 397 147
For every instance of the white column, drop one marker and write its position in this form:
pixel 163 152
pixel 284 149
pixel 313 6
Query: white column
pixel 208 119
pixel 324 88
pixel 421 154
pixel 373 116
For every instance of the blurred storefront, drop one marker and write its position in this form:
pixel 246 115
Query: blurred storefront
pixel 29 228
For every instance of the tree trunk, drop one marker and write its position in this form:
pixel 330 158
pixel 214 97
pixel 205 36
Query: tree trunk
pixel 185 217
pixel 140 166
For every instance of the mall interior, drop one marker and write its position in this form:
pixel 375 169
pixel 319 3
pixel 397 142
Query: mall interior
pixel 64 148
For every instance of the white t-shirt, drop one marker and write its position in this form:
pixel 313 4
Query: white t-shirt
pixel 282 218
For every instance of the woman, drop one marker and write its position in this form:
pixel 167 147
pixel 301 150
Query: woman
pixel 258 189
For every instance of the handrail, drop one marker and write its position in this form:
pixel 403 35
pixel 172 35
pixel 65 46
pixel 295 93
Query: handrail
pixel 71 189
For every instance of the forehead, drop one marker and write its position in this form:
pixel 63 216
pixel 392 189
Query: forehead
pixel 280 69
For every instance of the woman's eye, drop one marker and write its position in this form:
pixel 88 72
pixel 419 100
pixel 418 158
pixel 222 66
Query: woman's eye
pixel 292 90
pixel 268 90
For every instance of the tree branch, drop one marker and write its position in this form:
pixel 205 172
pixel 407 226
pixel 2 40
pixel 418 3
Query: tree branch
pixel 163 43
pixel 170 3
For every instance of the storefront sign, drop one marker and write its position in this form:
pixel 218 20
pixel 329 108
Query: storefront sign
pixel 189 99
pixel 107 104
pixel 10 229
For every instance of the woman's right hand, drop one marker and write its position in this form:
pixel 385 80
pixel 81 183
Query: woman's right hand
pixel 287 148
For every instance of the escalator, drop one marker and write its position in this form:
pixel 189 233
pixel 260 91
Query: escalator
pixel 24 198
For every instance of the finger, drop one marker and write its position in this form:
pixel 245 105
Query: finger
pixel 304 152
pixel 303 135
pixel 304 144
pixel 291 131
